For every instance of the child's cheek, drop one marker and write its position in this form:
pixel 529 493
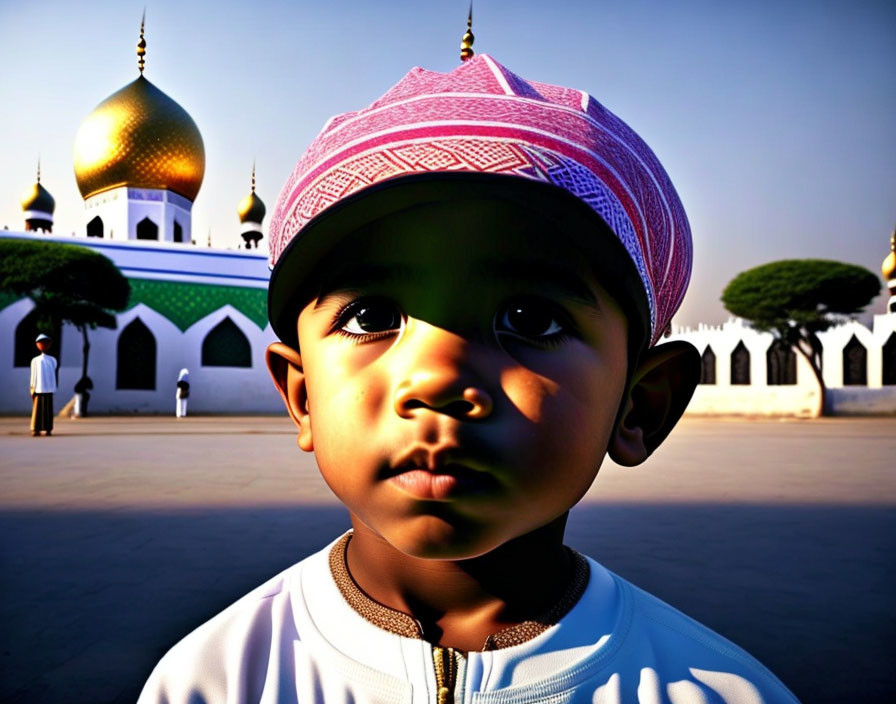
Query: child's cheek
pixel 528 392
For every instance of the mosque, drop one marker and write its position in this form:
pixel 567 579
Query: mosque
pixel 139 165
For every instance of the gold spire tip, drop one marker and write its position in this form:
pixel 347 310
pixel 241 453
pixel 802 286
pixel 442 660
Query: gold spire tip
pixel 141 45
pixel 466 42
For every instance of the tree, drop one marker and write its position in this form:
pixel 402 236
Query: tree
pixel 67 283
pixel 795 299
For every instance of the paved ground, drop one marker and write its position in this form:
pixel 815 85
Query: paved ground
pixel 119 535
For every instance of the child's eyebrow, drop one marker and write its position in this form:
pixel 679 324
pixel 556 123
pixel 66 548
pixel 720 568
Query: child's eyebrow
pixel 362 275
pixel 560 280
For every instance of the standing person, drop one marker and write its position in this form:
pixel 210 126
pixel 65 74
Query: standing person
pixel 43 386
pixel 182 393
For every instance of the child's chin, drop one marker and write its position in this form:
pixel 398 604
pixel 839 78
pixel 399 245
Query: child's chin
pixel 434 538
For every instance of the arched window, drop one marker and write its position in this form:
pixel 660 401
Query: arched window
pixel 740 365
pixel 708 366
pixel 780 364
pixel 226 346
pixel 855 363
pixel 27 331
pixel 178 232
pixel 136 357
pixel 95 227
pixel 889 361
pixel 147 230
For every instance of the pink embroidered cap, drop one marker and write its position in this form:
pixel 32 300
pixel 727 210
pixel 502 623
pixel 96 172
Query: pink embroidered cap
pixel 482 119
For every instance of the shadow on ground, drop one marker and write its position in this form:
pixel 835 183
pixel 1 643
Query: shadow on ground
pixel 91 600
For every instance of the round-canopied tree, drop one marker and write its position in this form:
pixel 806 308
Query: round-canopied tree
pixel 795 299
pixel 67 283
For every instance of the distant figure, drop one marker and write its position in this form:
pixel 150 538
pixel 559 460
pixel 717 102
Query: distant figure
pixel 43 386
pixel 82 396
pixel 183 393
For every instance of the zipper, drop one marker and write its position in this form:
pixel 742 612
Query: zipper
pixel 445 663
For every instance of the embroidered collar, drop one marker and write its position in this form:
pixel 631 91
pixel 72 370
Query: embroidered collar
pixel 402 624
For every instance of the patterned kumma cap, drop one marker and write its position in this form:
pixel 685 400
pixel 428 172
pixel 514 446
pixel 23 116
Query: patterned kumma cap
pixel 481 118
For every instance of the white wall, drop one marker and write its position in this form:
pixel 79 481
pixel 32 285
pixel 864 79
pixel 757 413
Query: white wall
pixel 122 208
pixel 213 389
pixel 804 398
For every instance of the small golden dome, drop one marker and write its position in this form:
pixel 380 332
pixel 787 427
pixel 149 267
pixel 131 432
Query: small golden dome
pixel 251 209
pixel 37 198
pixel 139 137
pixel 888 268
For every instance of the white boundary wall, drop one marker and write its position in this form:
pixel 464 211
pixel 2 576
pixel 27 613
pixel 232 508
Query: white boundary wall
pixel 212 389
pixel 802 399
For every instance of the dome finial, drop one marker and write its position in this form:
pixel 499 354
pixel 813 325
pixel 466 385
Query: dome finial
pixel 253 175
pixel 38 168
pixel 466 42
pixel 141 45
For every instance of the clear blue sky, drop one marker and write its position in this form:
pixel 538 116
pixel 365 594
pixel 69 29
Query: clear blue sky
pixel 775 120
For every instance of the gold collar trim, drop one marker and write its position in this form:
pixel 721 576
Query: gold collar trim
pixel 402 624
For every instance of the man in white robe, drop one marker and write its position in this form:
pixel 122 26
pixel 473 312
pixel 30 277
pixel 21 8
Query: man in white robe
pixel 43 386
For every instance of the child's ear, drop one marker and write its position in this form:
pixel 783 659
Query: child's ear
pixel 285 365
pixel 660 389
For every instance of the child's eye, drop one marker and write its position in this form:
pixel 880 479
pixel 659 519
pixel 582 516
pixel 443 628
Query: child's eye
pixel 532 318
pixel 370 316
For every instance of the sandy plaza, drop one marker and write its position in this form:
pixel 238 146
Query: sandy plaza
pixel 121 534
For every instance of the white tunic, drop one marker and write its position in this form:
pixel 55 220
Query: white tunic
pixel 43 374
pixel 296 639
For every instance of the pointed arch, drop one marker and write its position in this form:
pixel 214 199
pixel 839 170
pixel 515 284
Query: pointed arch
pixel 136 357
pixel 708 366
pixel 147 229
pixel 740 365
pixel 780 364
pixel 27 331
pixel 95 227
pixel 226 346
pixel 855 363
pixel 888 368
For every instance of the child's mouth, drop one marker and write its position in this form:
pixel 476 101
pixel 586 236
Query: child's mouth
pixel 442 484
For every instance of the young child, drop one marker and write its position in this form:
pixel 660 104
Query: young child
pixel 470 276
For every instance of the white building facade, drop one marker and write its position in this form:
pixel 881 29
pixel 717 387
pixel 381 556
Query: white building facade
pixel 191 307
pixel 126 214
pixel 745 373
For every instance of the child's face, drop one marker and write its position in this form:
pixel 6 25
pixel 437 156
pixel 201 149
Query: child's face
pixel 44 346
pixel 463 370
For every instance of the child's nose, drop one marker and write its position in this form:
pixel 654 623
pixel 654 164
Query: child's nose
pixel 439 377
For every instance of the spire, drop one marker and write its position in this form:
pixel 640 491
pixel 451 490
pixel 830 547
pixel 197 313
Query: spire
pixel 38 168
pixel 141 45
pixel 466 42
pixel 253 175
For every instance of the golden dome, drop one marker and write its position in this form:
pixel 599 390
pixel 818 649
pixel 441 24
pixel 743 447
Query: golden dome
pixel 139 137
pixel 38 199
pixel 888 268
pixel 251 208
